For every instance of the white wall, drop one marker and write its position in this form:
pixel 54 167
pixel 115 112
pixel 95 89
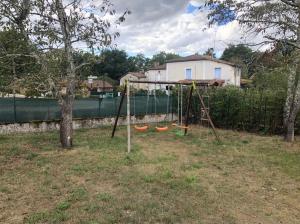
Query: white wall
pixel 156 75
pixel 203 70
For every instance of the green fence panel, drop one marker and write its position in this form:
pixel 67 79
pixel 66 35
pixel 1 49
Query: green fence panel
pixel 7 114
pixel 109 107
pixel 86 108
pixel 36 110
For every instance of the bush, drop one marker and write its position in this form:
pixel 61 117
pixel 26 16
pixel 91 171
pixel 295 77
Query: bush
pixel 254 110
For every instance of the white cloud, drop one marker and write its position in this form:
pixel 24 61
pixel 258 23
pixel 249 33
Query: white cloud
pixel 196 3
pixel 181 34
pixel 164 25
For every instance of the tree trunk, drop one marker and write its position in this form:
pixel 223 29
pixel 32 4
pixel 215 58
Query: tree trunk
pixel 66 128
pixel 290 131
pixel 66 123
pixel 292 104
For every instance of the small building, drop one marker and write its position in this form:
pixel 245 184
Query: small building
pixel 136 76
pixel 206 68
pixel 99 87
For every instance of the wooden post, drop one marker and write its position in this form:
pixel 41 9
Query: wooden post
pixel 128 118
pixel 188 110
pixel 178 107
pixel 208 116
pixel 119 111
pixel 181 105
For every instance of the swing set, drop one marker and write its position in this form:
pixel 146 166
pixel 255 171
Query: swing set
pixel 158 128
pixel 163 128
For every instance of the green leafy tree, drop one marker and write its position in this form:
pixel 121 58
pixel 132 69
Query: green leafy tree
pixel 63 25
pixel 279 22
pixel 139 63
pixel 112 63
pixel 271 70
pixel 15 60
pixel 162 57
pixel 210 52
pixel 243 56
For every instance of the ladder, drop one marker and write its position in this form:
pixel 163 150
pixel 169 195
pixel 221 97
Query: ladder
pixel 204 120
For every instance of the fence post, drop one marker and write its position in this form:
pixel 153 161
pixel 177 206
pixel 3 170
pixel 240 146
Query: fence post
pixel 99 105
pixel 48 107
pixel 15 110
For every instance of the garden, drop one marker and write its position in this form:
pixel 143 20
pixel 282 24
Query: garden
pixel 167 178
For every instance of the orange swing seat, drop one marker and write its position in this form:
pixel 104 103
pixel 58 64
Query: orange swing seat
pixel 141 128
pixel 162 129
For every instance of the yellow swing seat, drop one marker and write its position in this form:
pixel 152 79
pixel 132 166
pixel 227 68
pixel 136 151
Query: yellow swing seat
pixel 180 126
pixel 183 127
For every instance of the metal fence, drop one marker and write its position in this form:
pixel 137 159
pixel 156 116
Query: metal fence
pixel 245 109
pixel 230 108
pixel 20 110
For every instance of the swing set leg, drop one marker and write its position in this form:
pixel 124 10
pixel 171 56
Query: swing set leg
pixel 188 110
pixel 208 116
pixel 119 111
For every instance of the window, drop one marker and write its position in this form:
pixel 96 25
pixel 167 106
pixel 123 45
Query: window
pixel 188 73
pixel 158 77
pixel 218 73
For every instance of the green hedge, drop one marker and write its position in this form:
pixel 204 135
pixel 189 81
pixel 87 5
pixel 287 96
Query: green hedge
pixel 249 109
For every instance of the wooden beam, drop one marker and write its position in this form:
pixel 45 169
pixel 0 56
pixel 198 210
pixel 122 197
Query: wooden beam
pixel 128 119
pixel 187 82
pixel 119 111
pixel 188 110
pixel 208 116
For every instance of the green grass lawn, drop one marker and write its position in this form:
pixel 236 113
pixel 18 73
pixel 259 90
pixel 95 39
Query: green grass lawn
pixel 166 179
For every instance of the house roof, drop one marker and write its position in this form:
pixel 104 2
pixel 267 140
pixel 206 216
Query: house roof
pixel 98 84
pixel 139 75
pixel 197 57
pixel 159 67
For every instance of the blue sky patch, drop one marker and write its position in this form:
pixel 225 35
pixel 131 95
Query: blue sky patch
pixel 191 8
pixel 225 15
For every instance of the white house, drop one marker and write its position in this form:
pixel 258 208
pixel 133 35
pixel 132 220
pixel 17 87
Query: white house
pixel 197 67
pixel 191 68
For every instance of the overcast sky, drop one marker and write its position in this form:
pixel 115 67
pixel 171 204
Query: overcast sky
pixel 171 26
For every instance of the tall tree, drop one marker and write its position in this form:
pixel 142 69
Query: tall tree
pixel 242 55
pixel 63 24
pixel 278 21
pixel 139 63
pixel 112 63
pixel 162 57
pixel 14 63
pixel 210 52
